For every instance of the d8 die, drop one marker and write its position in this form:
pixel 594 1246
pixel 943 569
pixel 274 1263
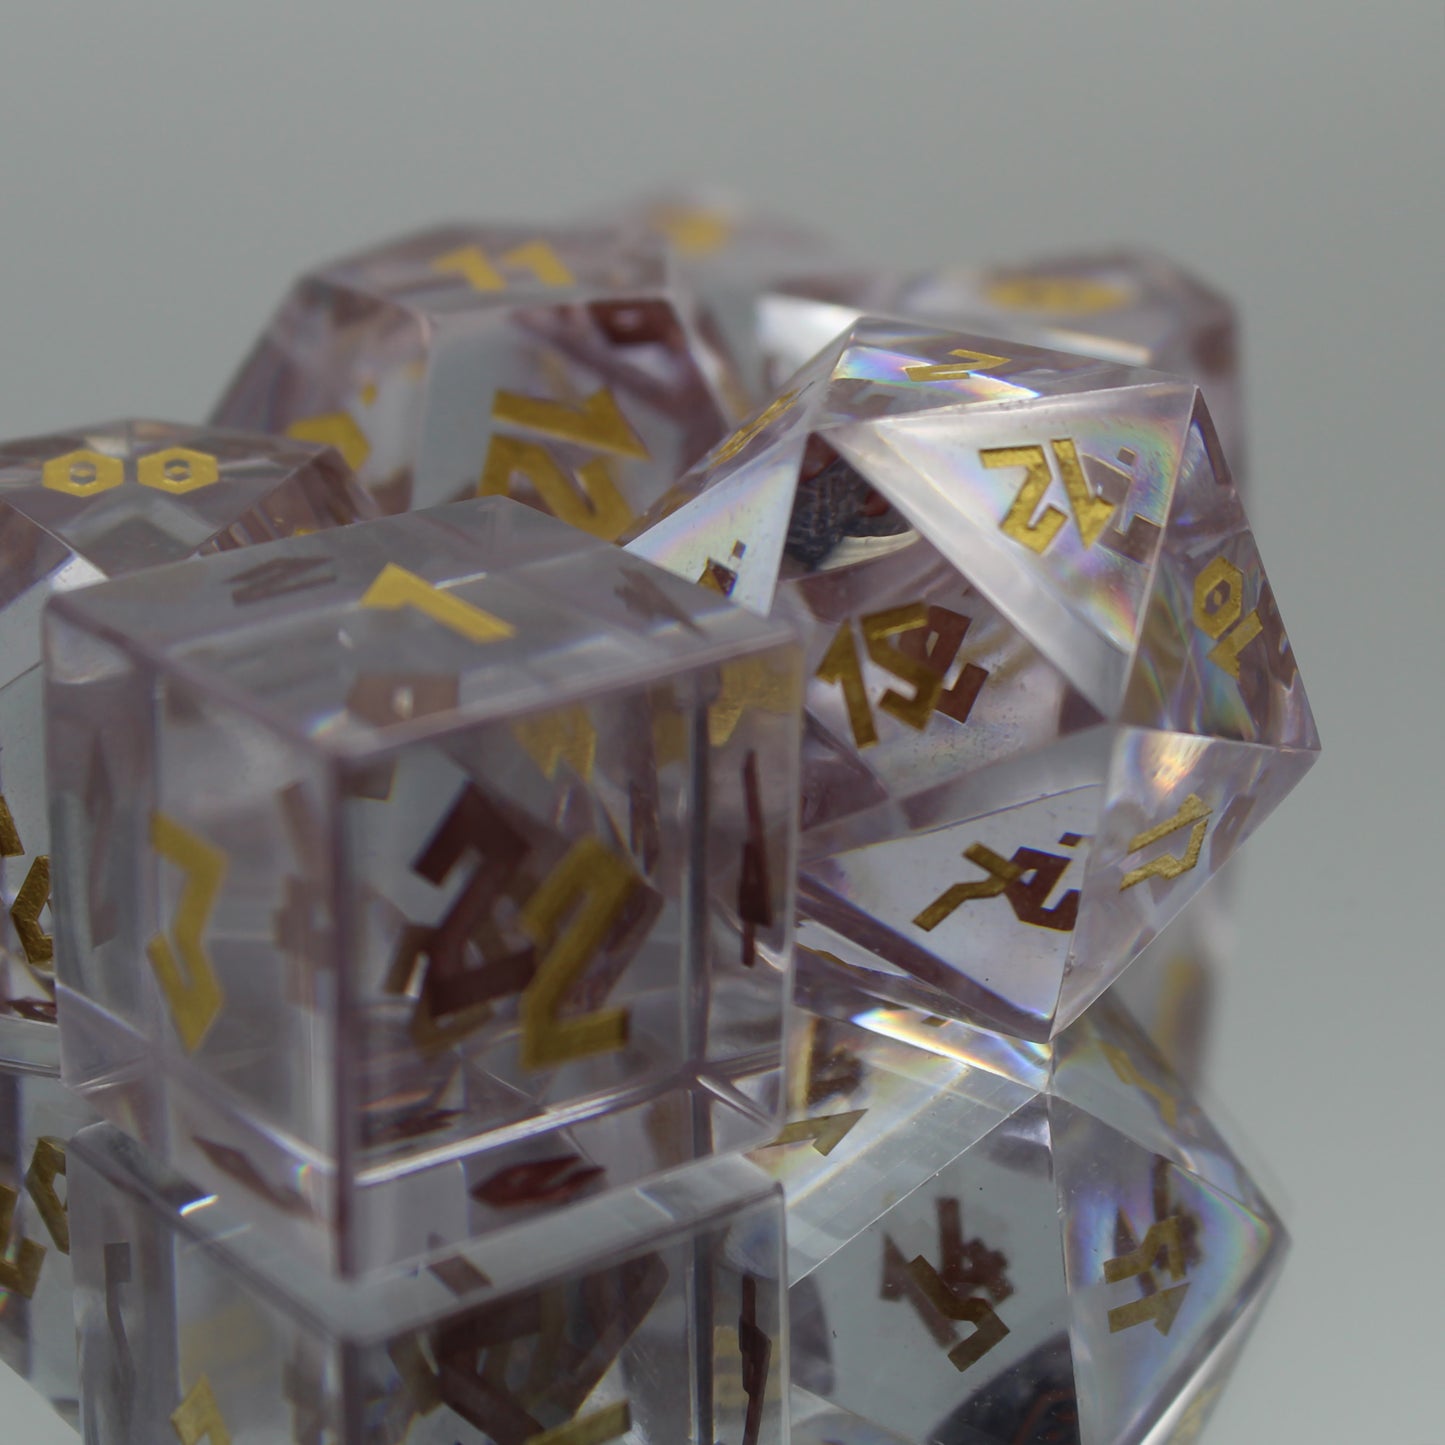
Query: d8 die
pixel 1135 308
pixel 451 878
pixel 105 501
pixel 1050 691
pixel 37 1117
pixel 653 1318
pixel 992 1241
pixel 561 367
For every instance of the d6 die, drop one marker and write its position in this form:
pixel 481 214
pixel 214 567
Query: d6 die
pixel 37 1117
pixel 106 501
pixel 562 367
pixel 1050 690
pixel 452 876
pixel 654 1318
pixel 992 1241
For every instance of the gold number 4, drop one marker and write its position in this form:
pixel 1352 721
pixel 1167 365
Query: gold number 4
pixel 1092 513
pixel 1160 1306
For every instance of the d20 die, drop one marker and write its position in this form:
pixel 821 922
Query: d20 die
pixel 992 1241
pixel 105 501
pixel 37 1117
pixel 1133 307
pixel 653 1317
pixel 560 367
pixel 1050 691
pixel 451 881
pixel 731 256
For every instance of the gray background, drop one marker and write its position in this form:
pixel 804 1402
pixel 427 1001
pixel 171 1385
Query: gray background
pixel 166 168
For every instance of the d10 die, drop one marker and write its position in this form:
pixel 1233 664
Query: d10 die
pixel 731 256
pixel 1132 307
pixel 560 367
pixel 993 1242
pixel 652 1318
pixel 37 1117
pixel 1050 689
pixel 105 501
pixel 451 873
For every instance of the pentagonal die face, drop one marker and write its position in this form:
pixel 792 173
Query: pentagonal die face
pixel 451 879
pixel 1049 690
pixel 1086 1254
pixel 37 1320
pixel 1135 308
pixel 659 1318
pixel 107 501
pixel 560 367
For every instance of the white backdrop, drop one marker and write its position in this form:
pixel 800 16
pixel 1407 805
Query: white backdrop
pixel 165 169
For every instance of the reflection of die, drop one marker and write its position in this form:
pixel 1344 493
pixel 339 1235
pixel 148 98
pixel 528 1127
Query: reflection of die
pixel 1132 307
pixel 451 877
pixel 1050 690
pixel 37 1118
pixel 106 501
pixel 561 366
pixel 986 1235
pixel 652 1316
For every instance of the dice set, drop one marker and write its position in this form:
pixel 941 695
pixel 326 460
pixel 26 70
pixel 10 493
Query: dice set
pixel 591 926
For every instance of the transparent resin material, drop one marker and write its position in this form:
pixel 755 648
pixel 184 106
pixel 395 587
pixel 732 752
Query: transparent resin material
pixel 106 501
pixel 561 366
pixel 1132 307
pixel 451 880
pixel 994 1242
pixel 653 1318
pixel 1049 690
pixel 37 1320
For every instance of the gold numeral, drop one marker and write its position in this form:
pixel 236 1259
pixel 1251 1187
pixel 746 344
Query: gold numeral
pixel 47 1164
pixel 730 446
pixel 395 588
pixel 1026 880
pixel 86 473
pixel 602 1425
pixel 1159 1306
pixel 10 844
pixel 194 996
pixel 198 1417
pixel 967 364
pixel 597 884
pixel 1092 513
pixel 30 902
pixel 474 266
pixel 565 735
pixel 929 639
pixel 1128 1073
pixel 587 498
pixel 1218 605
pixel 1192 814
pixel 333 429
pixel 826 1133
pixel 82 473
pixel 1056 295
pixel 21 1274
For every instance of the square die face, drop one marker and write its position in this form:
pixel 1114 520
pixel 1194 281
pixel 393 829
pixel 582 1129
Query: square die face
pixel 659 1322
pixel 428 869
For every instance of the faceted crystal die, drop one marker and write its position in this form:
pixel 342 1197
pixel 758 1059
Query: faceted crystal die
pixel 37 1117
pixel 1130 306
pixel 1049 688
pixel 993 1241
pixel 562 367
pixel 105 501
pixel 653 1318
pixel 452 879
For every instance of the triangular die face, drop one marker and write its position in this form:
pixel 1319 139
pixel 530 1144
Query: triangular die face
pixel 914 679
pixel 1213 654
pixel 982 910
pixel 1159 1266
pixel 1054 508
pixel 1178 807
pixel 979 1242
pixel 1106 1065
